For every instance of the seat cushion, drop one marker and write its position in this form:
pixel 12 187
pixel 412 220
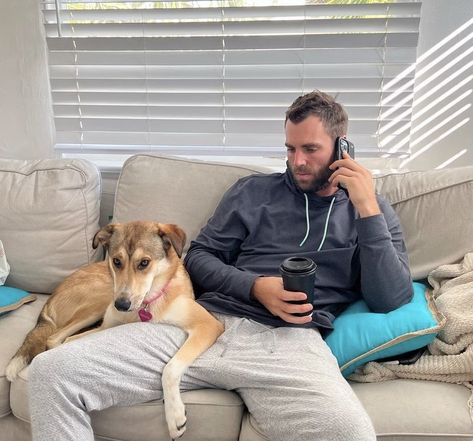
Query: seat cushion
pixel 212 415
pixel 13 328
pixel 405 410
pixel 416 410
pixel 49 216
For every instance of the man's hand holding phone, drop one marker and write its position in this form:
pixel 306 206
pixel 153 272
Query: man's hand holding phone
pixel 359 183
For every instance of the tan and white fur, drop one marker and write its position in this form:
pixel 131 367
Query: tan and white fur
pixel 143 264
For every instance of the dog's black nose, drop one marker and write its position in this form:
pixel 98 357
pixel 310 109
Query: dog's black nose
pixel 122 304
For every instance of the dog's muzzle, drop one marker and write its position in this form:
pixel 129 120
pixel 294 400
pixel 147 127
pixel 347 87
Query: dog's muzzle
pixel 122 304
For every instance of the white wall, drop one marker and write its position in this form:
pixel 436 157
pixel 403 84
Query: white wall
pixel 26 119
pixel 440 30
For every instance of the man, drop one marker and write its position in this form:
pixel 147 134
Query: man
pixel 277 361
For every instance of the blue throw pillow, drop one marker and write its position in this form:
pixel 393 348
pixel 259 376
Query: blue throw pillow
pixel 360 335
pixel 13 298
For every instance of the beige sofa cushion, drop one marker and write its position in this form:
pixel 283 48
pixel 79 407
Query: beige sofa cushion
pixel 405 410
pixel 13 329
pixel 213 415
pixel 49 215
pixel 186 192
pixel 434 208
pixel 172 190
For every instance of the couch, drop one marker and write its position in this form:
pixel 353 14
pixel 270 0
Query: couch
pixel 50 210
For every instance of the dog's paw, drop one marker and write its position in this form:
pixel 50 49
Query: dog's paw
pixel 176 417
pixel 14 367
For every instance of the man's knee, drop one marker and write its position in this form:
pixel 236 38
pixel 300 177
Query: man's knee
pixel 49 366
pixel 350 422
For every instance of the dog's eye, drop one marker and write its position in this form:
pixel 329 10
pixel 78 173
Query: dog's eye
pixel 143 264
pixel 117 262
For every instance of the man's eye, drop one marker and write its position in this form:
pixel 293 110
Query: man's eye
pixel 117 262
pixel 143 264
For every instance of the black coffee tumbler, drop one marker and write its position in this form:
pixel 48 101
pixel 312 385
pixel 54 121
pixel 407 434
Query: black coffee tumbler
pixel 298 274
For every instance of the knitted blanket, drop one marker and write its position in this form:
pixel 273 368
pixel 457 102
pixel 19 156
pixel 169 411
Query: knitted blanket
pixel 449 357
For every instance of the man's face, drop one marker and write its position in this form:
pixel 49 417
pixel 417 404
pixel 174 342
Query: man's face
pixel 309 153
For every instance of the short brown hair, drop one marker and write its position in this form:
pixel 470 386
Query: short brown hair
pixel 332 114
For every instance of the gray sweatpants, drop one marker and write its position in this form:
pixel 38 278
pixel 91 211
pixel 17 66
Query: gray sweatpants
pixel 287 377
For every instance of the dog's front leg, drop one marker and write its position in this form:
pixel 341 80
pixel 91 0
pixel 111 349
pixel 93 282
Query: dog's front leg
pixel 108 321
pixel 174 408
pixel 203 329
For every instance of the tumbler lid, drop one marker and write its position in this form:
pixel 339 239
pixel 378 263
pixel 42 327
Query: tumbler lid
pixel 298 265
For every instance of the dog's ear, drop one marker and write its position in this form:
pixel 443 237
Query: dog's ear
pixel 103 236
pixel 172 235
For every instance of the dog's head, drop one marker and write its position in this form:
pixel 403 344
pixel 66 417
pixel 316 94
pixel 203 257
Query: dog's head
pixel 142 257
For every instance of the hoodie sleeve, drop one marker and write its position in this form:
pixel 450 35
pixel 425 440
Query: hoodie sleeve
pixel 386 282
pixel 212 255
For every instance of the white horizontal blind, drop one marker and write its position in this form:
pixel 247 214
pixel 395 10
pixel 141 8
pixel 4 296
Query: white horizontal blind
pixel 215 77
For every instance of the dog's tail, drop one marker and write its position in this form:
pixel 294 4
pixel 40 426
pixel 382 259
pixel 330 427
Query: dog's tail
pixel 35 343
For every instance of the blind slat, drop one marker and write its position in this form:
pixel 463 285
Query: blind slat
pixel 232 71
pixel 372 40
pixel 330 27
pixel 284 88
pixel 237 57
pixel 255 12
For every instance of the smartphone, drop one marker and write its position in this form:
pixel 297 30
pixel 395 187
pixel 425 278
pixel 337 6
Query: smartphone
pixel 407 358
pixel 343 145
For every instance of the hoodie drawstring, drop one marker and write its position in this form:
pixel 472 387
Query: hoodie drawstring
pixel 308 222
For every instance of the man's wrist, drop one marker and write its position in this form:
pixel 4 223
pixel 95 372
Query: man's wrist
pixel 254 288
pixel 371 209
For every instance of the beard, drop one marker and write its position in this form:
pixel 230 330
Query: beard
pixel 318 182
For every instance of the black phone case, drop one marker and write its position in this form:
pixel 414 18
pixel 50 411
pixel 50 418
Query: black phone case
pixel 341 145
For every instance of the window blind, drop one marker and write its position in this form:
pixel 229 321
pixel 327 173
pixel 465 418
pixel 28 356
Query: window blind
pixel 215 77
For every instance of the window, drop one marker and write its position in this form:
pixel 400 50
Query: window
pixel 215 77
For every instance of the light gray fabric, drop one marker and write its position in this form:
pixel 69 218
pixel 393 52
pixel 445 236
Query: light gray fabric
pixel 417 410
pixel 172 190
pixel 424 200
pixel 186 192
pixel 404 410
pixel 256 361
pixel 49 215
pixel 13 329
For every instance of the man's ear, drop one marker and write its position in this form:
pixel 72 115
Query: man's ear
pixel 172 235
pixel 103 236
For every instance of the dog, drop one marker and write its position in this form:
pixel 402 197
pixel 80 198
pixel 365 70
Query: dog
pixel 143 279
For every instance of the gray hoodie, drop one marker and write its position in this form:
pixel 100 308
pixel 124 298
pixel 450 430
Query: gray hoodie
pixel 263 219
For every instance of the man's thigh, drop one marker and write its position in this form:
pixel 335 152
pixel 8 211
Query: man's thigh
pixel 116 366
pixel 291 384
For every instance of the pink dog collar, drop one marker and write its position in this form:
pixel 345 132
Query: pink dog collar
pixel 143 312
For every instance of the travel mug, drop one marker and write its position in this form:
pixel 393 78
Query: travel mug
pixel 298 274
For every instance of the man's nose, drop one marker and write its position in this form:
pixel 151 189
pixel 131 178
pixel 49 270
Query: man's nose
pixel 299 158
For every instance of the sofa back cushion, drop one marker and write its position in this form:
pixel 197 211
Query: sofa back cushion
pixel 435 209
pixel 171 190
pixel 434 206
pixel 49 212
